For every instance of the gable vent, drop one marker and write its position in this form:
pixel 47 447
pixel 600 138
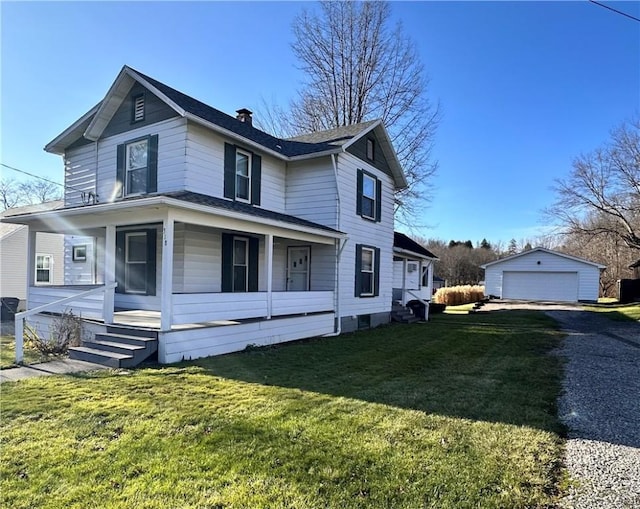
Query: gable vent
pixel 138 108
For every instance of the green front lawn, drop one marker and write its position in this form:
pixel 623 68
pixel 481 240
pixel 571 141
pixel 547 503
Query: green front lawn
pixel 456 413
pixel 618 312
pixel 8 353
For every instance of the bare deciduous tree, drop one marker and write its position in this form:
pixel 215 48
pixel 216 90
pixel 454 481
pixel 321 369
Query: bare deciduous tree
pixel 30 192
pixel 601 196
pixel 358 67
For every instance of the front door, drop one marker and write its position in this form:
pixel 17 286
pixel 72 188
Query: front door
pixel 298 269
pixel 136 262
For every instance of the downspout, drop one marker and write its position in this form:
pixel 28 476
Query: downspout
pixel 336 284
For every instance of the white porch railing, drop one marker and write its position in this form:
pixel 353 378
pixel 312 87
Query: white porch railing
pixel 209 307
pixel 87 303
pixel 425 302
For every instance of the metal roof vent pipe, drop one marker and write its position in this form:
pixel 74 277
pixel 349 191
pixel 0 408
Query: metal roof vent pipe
pixel 244 115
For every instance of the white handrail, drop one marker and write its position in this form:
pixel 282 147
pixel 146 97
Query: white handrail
pixel 425 302
pixel 20 317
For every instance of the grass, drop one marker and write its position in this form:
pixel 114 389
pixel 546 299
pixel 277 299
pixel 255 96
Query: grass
pixel 456 413
pixel 8 353
pixel 619 312
pixel 462 309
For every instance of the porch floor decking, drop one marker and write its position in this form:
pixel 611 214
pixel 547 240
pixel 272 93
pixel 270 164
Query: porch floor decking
pixel 151 320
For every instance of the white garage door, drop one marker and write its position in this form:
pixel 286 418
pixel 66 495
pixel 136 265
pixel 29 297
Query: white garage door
pixel 554 286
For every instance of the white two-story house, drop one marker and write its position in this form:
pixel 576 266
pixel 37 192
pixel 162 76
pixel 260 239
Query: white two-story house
pixel 210 234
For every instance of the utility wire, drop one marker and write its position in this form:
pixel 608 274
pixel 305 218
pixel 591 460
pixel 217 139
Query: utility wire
pixel 615 10
pixel 42 178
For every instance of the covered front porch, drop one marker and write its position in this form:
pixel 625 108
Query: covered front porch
pixel 178 266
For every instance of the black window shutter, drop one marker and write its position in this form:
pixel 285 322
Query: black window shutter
pixel 152 168
pixel 378 200
pixel 376 272
pixel 120 171
pixel 254 248
pixel 120 261
pixel 256 178
pixel 227 262
pixel 358 278
pixel 359 194
pixel 152 237
pixel 229 171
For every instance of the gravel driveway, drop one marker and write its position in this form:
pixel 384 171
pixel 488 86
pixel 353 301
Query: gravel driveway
pixel 601 408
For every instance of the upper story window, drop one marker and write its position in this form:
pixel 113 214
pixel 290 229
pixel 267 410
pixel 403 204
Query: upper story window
pixel 44 269
pixel 137 166
pixel 369 196
pixel 137 113
pixel 371 149
pixel 243 176
pixel 137 157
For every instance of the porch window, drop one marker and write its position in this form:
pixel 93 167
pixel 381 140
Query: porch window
pixel 243 178
pixel 240 264
pixel 367 280
pixel 240 260
pixel 369 196
pixel 44 268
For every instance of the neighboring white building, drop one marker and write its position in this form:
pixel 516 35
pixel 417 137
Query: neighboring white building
pixel 228 235
pixel 49 249
pixel 543 275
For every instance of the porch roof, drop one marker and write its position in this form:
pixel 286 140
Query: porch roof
pixel 403 244
pixel 141 209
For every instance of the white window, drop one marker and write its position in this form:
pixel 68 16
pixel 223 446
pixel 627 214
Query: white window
pixel 240 264
pixel 243 179
pixel 136 166
pixel 367 272
pixel 44 269
pixel 368 196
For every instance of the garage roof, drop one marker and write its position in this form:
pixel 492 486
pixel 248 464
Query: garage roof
pixel 543 250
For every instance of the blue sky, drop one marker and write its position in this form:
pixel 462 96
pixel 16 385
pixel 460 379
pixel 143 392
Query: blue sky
pixel 524 87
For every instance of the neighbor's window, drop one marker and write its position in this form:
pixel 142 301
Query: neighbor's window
pixel 240 264
pixel 371 148
pixel 79 253
pixel 243 179
pixel 136 165
pixel 368 196
pixel 44 267
pixel 367 272
pixel 138 108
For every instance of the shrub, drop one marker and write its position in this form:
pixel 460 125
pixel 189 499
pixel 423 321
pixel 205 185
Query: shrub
pixel 458 295
pixel 65 331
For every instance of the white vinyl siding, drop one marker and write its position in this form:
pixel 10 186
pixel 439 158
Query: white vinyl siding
pixel 171 157
pixel 78 272
pixel 80 174
pixel 205 168
pixel 311 191
pixel 587 276
pixel 365 232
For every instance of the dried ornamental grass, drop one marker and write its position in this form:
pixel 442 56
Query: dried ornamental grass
pixel 458 295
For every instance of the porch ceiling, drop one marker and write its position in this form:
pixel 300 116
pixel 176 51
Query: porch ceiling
pixel 155 209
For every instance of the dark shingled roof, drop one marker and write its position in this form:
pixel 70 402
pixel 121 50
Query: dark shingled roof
pixel 245 208
pixel 302 145
pixel 400 240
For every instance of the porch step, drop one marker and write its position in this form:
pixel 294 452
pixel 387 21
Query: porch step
pixel 111 359
pixel 402 315
pixel 116 349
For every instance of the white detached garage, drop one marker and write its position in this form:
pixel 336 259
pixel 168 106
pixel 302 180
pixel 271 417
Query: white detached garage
pixel 542 274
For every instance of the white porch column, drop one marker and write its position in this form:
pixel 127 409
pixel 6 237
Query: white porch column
pixel 268 260
pixel 166 295
pixel 109 272
pixel 404 281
